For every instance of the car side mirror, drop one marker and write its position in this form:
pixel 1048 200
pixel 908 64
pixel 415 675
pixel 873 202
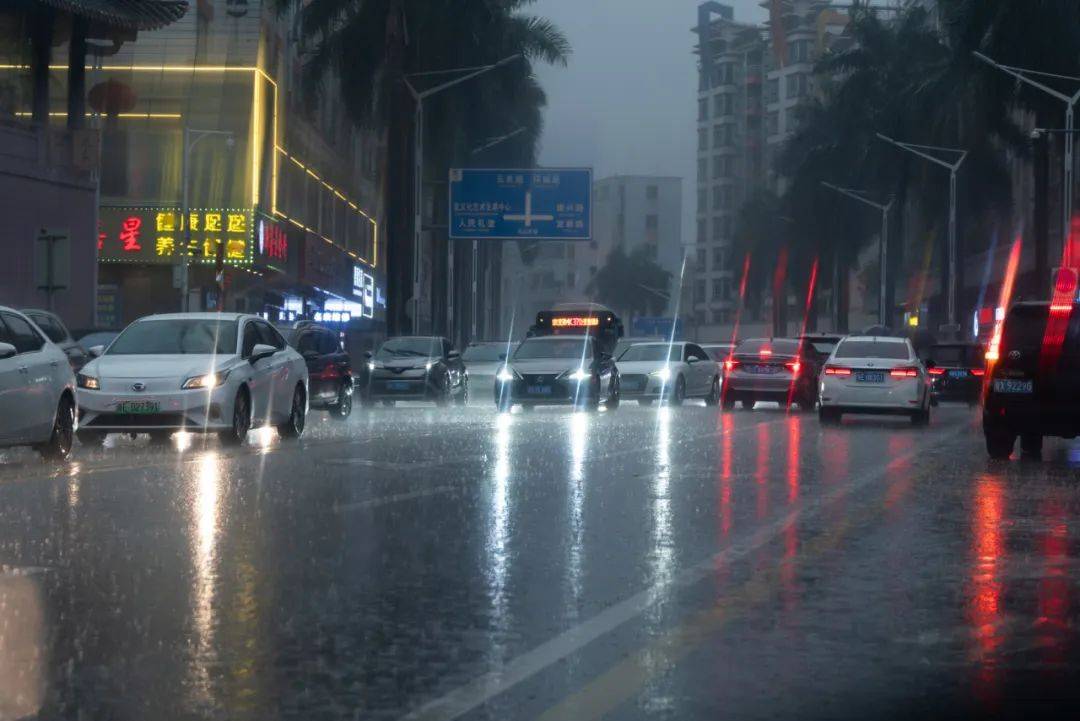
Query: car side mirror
pixel 691 360
pixel 6 350
pixel 96 350
pixel 260 351
pixel 453 355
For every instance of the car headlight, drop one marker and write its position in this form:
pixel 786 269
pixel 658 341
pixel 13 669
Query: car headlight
pixel 205 382
pixel 581 374
pixel 372 365
pixel 90 383
pixel 428 365
pixel 664 374
pixel 505 375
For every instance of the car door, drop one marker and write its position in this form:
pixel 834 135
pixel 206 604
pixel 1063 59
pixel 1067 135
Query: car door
pixel 283 373
pixel 334 356
pixel 39 370
pixel 691 371
pixel 308 346
pixel 705 368
pixel 14 393
pixel 259 378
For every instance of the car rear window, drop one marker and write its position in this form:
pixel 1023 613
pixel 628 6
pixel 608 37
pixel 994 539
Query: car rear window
pixel 872 349
pixel 1025 327
pixel 49 326
pixel 779 346
pixel 955 355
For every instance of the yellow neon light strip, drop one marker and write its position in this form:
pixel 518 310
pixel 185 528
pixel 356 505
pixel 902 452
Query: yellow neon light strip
pixel 146 116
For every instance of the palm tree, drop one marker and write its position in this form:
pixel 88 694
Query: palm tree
pixel 368 47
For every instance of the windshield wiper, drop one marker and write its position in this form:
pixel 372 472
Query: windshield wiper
pixel 408 352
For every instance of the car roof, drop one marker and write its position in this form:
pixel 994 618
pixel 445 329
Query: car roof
pixel 664 342
pixel 199 316
pixel 877 338
pixel 559 337
pixel 39 310
pixel 415 337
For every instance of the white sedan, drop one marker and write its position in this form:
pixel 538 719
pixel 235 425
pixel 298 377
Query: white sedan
pixel 199 372
pixel 668 371
pixel 872 374
pixel 37 389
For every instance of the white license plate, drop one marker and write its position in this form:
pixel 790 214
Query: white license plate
pixel 1007 385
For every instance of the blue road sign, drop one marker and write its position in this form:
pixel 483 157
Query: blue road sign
pixel 537 204
pixel 645 326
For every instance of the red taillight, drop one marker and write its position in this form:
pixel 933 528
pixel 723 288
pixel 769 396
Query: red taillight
pixel 330 373
pixel 980 372
pixel 937 371
pixel 793 366
pixel 904 373
pixel 765 352
pixel 837 371
pixel 730 365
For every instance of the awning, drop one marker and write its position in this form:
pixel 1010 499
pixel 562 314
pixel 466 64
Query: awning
pixel 124 14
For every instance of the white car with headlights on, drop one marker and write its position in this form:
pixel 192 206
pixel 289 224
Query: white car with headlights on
pixel 874 374
pixel 198 372
pixel 37 389
pixel 668 371
pixel 558 370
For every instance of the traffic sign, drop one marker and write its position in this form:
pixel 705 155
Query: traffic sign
pixel 537 204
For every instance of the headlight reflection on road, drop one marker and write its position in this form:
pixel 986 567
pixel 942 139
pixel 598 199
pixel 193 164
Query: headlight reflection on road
pixel 662 553
pixel 578 428
pixel 498 530
pixel 205 504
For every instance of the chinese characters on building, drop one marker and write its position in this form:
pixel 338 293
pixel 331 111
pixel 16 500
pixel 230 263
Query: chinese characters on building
pixel 163 235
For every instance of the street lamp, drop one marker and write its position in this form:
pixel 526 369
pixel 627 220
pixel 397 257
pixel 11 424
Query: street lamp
pixel 952 168
pixel 192 136
pixel 883 241
pixel 419 96
pixel 1070 101
pixel 491 143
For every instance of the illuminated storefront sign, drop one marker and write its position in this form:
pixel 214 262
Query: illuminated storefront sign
pixel 157 235
pixel 364 288
pixel 273 241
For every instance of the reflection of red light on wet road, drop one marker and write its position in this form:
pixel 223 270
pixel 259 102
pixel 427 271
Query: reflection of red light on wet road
pixel 761 471
pixel 791 537
pixel 900 472
pixel 794 429
pixel 1054 586
pixel 728 426
pixel 984 609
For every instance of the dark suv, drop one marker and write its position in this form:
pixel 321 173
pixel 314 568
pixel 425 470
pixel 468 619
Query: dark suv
pixel 958 372
pixel 417 368
pixel 330 373
pixel 1034 385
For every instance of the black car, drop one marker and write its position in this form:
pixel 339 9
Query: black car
pixel 417 368
pixel 558 370
pixel 958 372
pixel 54 328
pixel 330 372
pixel 1034 379
pixel 816 349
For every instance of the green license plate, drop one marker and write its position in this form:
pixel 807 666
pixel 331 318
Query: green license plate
pixel 138 407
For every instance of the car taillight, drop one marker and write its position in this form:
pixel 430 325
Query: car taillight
pixel 904 373
pixel 730 365
pixel 979 372
pixel 793 366
pixel 837 371
pixel 937 371
pixel 330 373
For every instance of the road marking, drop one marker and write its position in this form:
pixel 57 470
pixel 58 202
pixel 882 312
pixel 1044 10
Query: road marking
pixel 395 498
pixel 482 689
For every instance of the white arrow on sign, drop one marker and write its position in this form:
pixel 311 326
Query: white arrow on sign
pixel 529 216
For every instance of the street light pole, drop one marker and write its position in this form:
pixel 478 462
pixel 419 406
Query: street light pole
pixel 419 96
pixel 883 241
pixel 1070 101
pixel 920 150
pixel 191 138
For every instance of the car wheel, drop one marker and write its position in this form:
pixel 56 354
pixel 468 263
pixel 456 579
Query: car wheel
pixel 294 427
pixel 714 393
pixel 1031 445
pixel 727 403
pixel 999 443
pixel 61 439
pixel 644 401
pixel 343 409
pixel 828 416
pixel 748 404
pixel 241 420
pixel 463 397
pixel 679 394
pixel 95 439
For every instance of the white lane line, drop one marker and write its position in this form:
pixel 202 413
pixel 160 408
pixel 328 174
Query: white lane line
pixel 481 690
pixel 395 498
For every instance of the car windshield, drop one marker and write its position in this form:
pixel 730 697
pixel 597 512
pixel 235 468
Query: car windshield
pixel 410 348
pixel 484 353
pixel 652 352
pixel 560 348
pixel 779 346
pixel 872 349
pixel 177 336
pixel 49 327
pixel 718 352
pixel 96 339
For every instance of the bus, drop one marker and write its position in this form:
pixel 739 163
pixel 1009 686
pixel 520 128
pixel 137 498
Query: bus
pixel 580 319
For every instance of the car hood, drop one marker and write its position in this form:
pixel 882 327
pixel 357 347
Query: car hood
pixel 484 368
pixel 406 363
pixel 645 366
pixel 151 366
pixel 546 365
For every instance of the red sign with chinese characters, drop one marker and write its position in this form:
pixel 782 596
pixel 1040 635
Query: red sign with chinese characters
pixel 158 235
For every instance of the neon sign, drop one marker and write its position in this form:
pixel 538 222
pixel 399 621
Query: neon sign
pixel 575 322
pixel 273 242
pixel 157 235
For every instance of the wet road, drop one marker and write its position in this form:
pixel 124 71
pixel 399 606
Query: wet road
pixel 647 563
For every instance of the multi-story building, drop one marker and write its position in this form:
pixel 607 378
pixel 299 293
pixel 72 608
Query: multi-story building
pixel 751 79
pixel 629 212
pixel 215 159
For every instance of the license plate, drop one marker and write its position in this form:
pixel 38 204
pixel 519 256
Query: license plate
pixel 138 407
pixel 397 385
pixel 870 376
pixel 958 374
pixel 763 369
pixel 1005 385
pixel 539 390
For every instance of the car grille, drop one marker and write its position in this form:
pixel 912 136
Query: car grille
pixel 126 420
pixel 634 380
pixel 534 379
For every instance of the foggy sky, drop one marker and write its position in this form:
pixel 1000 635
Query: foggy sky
pixel 627 101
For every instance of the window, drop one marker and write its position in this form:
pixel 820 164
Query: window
pixel 717 258
pixel 571 279
pixel 307 342
pixel 652 192
pixel 702 170
pixel 717 197
pixel 328 343
pixel 50 326
pixel 702 109
pixel 729 224
pixel 718 166
pixel 701 230
pixel 701 263
pixel 717 230
pixel 772 91
pixel 171 336
pixel 699 291
pixel 269 336
pixel 721 317
pixel 772 123
pixel 702 200
pixel 695 351
pixel 723 104
pixel 799 51
pixel 717 289
pixel 727 196
pixel 251 339
pixel 796 85
pixel 652 251
pixel 22 335
pixel 724 135
pixel 652 222
pixel 893 350
pixel 702 141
